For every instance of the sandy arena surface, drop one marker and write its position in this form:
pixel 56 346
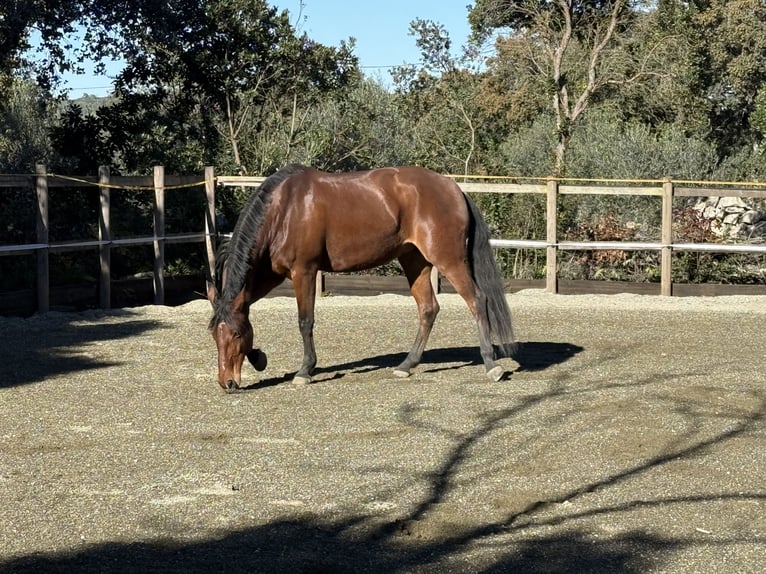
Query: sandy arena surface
pixel 629 437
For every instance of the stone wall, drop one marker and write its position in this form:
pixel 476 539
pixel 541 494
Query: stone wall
pixel 733 217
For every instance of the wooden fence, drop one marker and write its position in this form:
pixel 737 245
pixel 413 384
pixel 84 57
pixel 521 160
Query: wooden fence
pixel 159 182
pixel 665 191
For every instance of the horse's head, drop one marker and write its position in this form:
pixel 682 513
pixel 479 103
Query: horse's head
pixel 234 340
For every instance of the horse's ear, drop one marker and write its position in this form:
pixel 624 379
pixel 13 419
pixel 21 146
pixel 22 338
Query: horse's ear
pixel 212 293
pixel 210 284
pixel 258 359
pixel 240 302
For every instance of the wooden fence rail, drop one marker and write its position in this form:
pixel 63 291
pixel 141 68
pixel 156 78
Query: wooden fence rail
pixel 665 191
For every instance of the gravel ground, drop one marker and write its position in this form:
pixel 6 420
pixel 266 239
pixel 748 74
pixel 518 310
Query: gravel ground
pixel 629 437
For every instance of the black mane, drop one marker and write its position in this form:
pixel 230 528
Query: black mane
pixel 234 254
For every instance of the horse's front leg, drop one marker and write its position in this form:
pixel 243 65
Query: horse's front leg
pixel 304 284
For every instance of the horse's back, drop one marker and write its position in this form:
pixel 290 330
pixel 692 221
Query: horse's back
pixel 361 219
pixel 409 187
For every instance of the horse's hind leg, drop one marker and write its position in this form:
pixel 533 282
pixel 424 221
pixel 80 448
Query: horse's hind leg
pixel 459 276
pixel 418 272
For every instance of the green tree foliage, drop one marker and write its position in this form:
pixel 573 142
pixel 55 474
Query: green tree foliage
pixel 201 77
pixel 569 51
pixel 53 20
pixel 607 88
pixel 607 146
pixel 758 118
pixel 665 41
pixel 733 45
pixel 24 120
pixel 361 129
pixel 442 100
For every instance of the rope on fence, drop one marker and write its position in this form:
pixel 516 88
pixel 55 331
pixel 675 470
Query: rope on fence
pixel 233 180
pixel 560 179
pixel 131 187
pixel 607 180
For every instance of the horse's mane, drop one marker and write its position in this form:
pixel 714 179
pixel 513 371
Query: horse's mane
pixel 234 255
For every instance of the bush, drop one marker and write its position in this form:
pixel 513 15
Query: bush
pixel 606 148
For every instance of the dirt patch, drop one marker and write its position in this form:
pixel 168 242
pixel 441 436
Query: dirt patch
pixel 629 437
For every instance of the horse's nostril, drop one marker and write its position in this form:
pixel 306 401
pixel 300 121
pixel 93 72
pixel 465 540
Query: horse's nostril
pixel 231 385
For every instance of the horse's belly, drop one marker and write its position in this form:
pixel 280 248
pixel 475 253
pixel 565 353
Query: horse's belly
pixel 365 252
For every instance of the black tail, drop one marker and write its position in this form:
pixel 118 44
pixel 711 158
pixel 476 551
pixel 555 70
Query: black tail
pixel 489 282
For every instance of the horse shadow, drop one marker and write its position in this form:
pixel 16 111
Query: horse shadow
pixel 530 355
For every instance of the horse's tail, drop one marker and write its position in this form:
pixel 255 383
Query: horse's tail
pixel 490 283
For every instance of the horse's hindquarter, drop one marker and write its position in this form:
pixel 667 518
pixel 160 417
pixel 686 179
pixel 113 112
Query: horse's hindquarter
pixel 384 210
pixel 358 220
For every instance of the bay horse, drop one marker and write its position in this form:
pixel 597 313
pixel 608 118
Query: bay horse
pixel 301 221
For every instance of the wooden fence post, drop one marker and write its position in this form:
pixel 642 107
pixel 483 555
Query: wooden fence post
pixel 666 264
pixel 435 281
pixel 104 237
pixel 159 234
pixel 210 227
pixel 42 227
pixel 551 252
pixel 319 284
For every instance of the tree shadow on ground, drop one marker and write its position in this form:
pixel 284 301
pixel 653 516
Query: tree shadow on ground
pixel 305 547
pixel 525 540
pixel 32 350
pixel 531 356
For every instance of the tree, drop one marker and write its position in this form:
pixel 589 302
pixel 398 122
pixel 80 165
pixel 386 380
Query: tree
pixel 572 51
pixel 53 20
pixel 200 76
pixel 758 118
pixel 24 119
pixel 733 46
pixel 675 99
pixel 362 128
pixel 230 60
pixel 440 96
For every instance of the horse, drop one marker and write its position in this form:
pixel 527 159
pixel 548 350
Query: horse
pixel 301 221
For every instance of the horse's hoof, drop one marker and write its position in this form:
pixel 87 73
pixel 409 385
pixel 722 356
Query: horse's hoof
pixel 496 373
pixel 401 373
pixel 301 381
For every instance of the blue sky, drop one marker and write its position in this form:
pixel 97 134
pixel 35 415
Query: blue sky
pixel 380 30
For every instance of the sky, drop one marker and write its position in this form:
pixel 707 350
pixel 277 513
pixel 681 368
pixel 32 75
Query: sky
pixel 380 29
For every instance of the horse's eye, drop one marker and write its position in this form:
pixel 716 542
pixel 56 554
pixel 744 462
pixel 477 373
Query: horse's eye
pixel 237 335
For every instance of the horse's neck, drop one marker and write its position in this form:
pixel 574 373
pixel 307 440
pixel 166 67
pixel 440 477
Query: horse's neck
pixel 259 279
